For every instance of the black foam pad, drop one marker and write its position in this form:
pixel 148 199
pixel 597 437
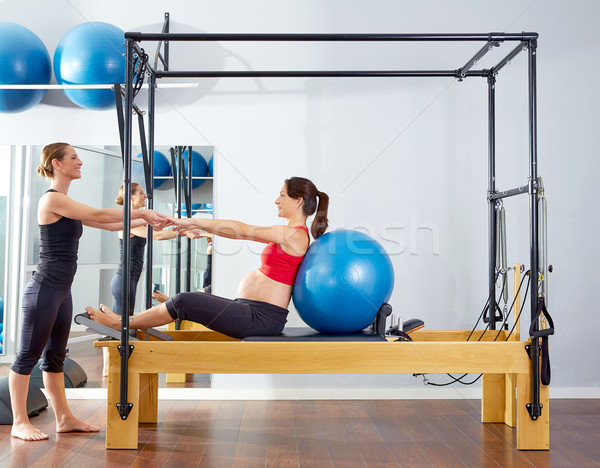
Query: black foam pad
pixel 36 401
pixel 308 334
pixel 75 376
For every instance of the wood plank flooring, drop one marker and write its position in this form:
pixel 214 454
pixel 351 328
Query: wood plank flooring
pixel 381 433
pixel 345 434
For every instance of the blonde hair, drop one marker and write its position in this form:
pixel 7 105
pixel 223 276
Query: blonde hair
pixel 50 153
pixel 134 188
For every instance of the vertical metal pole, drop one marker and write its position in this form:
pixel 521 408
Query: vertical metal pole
pixel 188 273
pixel 493 241
pixel 535 409
pixel 180 175
pixel 166 48
pixel 123 406
pixel 149 244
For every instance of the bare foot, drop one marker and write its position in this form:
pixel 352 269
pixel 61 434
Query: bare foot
pixel 160 296
pixel 104 316
pixel 73 424
pixel 27 431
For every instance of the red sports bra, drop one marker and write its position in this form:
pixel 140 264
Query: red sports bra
pixel 279 265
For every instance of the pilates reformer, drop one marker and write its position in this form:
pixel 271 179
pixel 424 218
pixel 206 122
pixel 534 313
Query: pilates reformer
pixel 511 389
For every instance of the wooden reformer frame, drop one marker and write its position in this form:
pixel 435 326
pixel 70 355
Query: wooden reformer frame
pixel 511 390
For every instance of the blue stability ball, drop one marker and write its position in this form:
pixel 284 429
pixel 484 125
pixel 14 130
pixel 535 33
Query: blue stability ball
pixel 342 282
pixel 162 168
pixel 91 53
pixel 199 167
pixel 24 59
pixel 210 167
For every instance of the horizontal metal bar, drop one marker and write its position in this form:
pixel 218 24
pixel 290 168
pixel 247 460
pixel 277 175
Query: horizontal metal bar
pixel 91 86
pixel 509 193
pixel 139 36
pixel 314 74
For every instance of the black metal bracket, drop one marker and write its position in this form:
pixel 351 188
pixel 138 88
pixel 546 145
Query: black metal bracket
pixel 122 352
pixel 535 411
pixel 508 193
pixel 124 410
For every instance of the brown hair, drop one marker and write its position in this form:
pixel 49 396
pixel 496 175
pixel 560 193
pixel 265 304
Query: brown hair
pixel 299 187
pixel 50 153
pixel 119 199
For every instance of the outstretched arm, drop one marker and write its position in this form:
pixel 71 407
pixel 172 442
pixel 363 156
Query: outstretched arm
pixel 135 224
pixel 164 235
pixel 58 204
pixel 295 242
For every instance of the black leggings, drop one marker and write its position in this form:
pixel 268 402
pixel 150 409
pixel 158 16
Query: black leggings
pixel 237 318
pixel 116 288
pixel 47 314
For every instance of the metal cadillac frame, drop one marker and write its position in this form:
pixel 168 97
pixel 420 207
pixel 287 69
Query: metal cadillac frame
pixel 525 41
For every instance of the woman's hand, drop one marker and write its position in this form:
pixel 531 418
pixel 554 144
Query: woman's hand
pixel 192 233
pixel 155 219
pixel 160 296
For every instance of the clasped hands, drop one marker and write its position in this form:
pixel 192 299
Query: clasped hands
pixel 183 226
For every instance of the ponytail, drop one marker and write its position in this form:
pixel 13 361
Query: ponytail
pixel 320 223
pixel 49 153
pixel 120 200
pixel 299 187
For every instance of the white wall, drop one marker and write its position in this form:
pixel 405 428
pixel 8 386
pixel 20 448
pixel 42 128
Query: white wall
pixel 393 154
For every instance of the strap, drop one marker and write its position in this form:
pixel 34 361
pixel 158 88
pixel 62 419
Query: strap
pixel 120 117
pixel 403 336
pixel 535 332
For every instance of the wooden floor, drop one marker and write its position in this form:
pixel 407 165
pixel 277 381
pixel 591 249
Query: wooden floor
pixel 314 434
pixel 344 434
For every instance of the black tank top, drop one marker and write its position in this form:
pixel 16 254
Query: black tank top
pixel 59 242
pixel 137 257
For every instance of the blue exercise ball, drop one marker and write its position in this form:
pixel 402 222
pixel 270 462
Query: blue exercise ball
pixel 342 282
pixel 1 309
pixel 199 167
pixel 91 53
pixel 24 59
pixel 210 167
pixel 162 168
pixel 208 207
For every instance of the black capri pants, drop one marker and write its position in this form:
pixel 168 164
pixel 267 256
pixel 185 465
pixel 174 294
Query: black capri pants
pixel 47 314
pixel 237 318
pixel 116 288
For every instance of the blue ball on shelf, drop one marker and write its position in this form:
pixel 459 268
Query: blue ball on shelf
pixel 342 282
pixel 199 167
pixel 88 54
pixel 162 168
pixel 24 60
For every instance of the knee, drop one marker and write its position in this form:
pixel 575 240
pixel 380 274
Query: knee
pixel 24 363
pixel 53 361
pixel 179 305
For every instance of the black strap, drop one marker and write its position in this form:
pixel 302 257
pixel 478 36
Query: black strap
pixel 120 118
pixel 535 332
pixel 403 336
pixel 147 175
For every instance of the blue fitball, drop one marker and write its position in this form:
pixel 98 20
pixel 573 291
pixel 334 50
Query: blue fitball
pixel 24 59
pixel 91 53
pixel 162 168
pixel 199 167
pixel 210 167
pixel 342 282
